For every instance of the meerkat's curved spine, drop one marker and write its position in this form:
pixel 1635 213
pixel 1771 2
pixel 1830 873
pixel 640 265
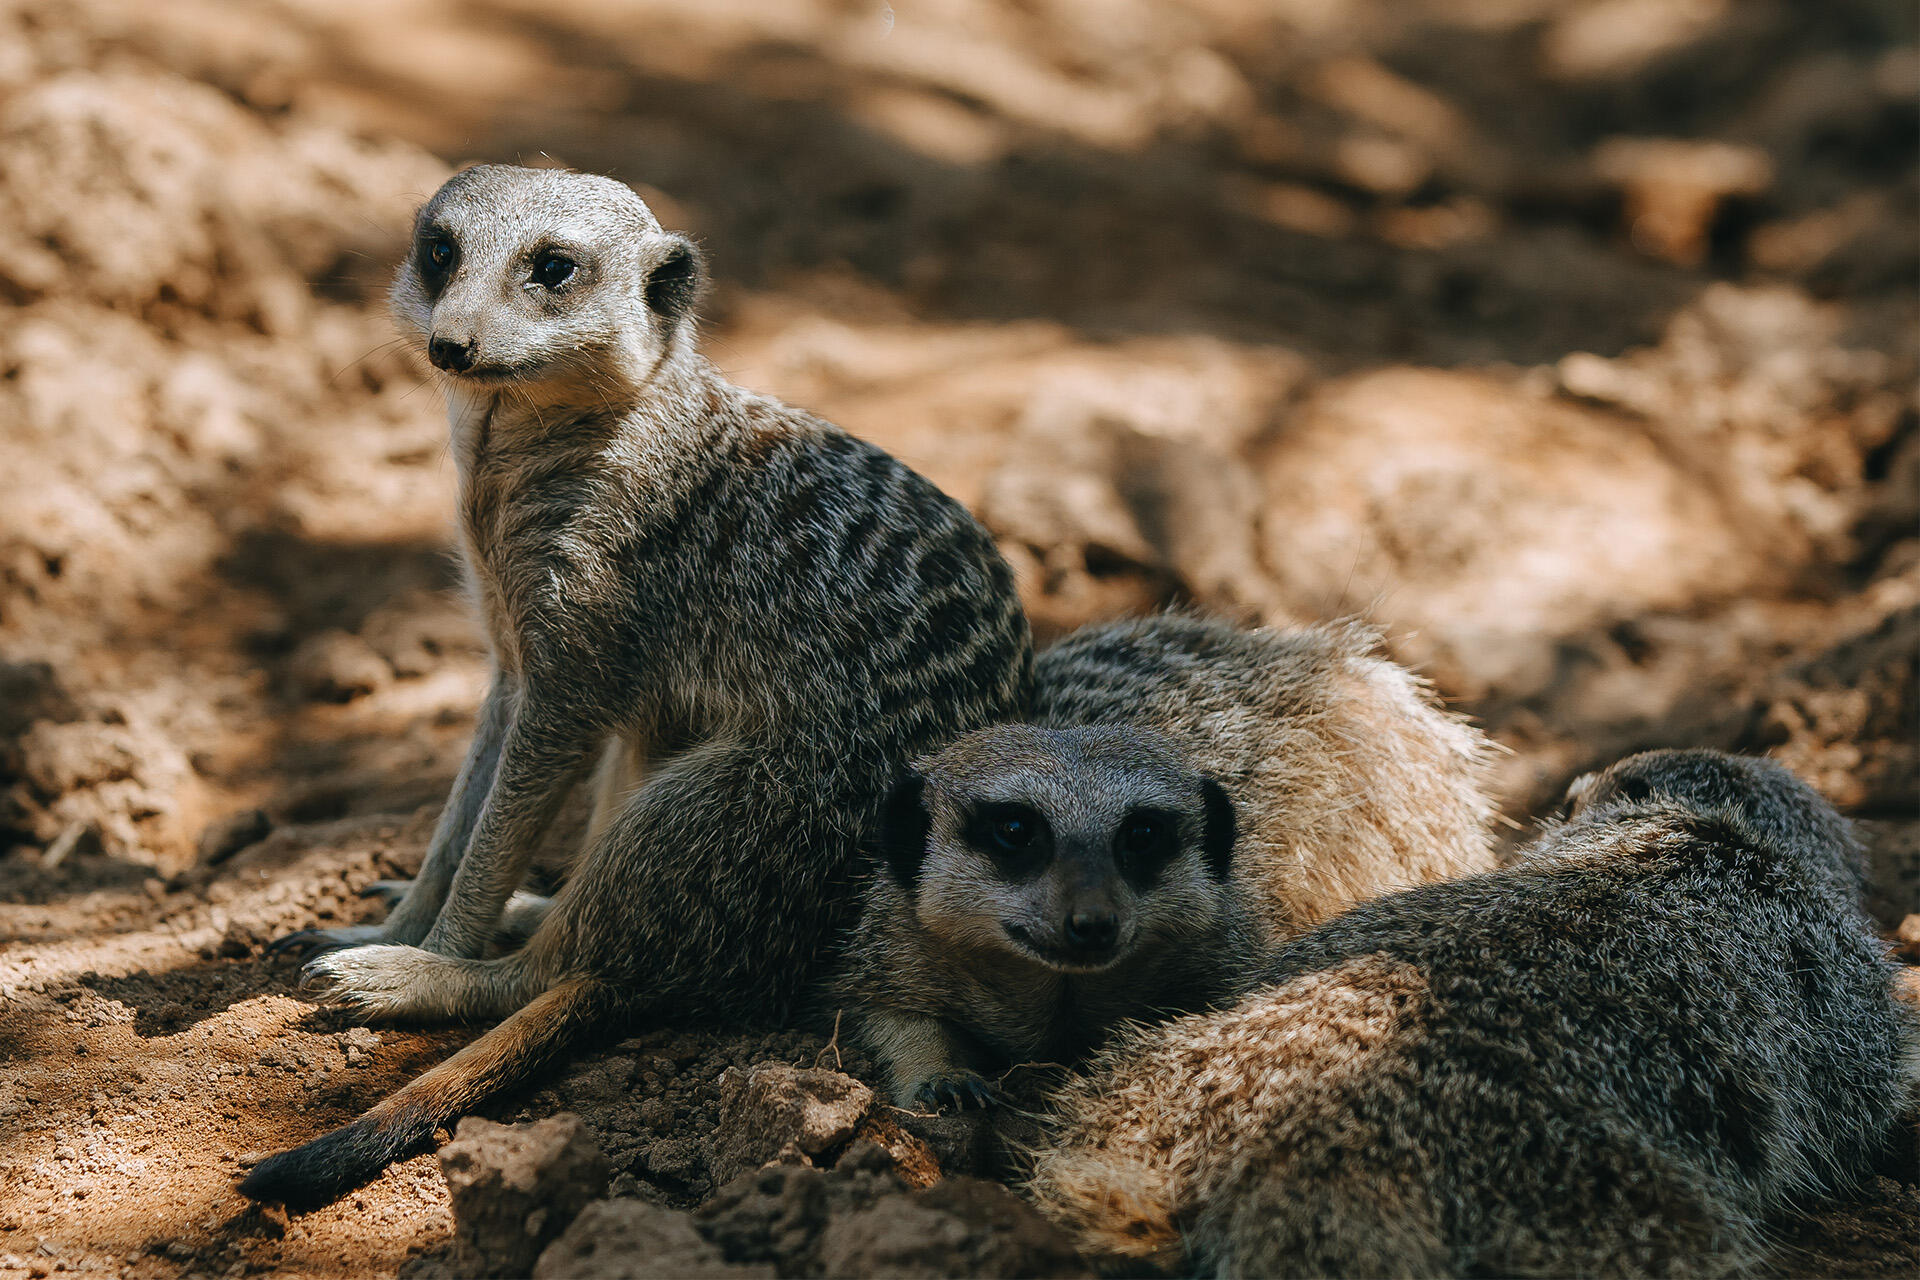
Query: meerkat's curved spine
pixel 754 618
pixel 1190 792
pixel 1669 1021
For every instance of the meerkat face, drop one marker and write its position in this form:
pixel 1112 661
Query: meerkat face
pixel 524 276
pixel 1063 847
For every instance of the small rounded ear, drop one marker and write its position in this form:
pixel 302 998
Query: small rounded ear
pixel 1216 842
pixel 676 283
pixel 904 824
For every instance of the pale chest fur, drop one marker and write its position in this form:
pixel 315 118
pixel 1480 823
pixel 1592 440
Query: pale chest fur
pixel 471 419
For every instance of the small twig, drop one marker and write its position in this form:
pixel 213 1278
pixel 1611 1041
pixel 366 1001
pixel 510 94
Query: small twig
pixel 833 1043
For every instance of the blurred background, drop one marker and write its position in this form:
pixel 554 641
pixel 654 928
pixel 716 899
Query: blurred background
pixel 1574 341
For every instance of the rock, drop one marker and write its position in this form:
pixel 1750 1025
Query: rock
pixel 787 1115
pixel 914 1159
pixel 337 666
pixel 633 1240
pixel 228 836
pixel 515 1188
pixel 775 1214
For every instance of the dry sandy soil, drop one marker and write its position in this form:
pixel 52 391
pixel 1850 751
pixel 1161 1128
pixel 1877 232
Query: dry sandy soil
pixel 1574 341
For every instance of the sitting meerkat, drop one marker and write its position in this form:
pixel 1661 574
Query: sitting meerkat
pixel 1189 791
pixel 752 618
pixel 1669 1021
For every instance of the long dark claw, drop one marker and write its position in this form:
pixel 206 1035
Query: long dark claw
pixel 956 1090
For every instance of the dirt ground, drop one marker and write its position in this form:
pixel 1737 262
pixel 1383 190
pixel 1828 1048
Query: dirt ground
pixel 1573 340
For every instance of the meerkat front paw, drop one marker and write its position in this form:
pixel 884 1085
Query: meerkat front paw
pixel 376 982
pixel 955 1090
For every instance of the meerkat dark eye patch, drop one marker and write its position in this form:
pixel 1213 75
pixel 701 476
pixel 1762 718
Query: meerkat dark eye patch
pixel 1222 828
pixel 903 829
pixel 1144 842
pixel 1016 837
pixel 675 283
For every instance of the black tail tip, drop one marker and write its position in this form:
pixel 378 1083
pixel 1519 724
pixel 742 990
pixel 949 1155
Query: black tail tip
pixel 333 1164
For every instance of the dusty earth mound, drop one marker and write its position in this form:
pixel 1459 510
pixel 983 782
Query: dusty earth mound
pixel 1574 340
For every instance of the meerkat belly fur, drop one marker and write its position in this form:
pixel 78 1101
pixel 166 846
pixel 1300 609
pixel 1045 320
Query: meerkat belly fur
pixel 1190 791
pixel 1668 1021
pixel 750 617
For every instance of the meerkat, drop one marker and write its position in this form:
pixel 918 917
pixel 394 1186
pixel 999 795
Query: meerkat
pixel 751 618
pixel 1040 885
pixel 1670 1020
pixel 1201 789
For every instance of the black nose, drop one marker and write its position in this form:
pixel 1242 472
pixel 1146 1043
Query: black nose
pixel 454 357
pixel 1092 929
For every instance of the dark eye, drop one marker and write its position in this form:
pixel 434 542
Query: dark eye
pixel 439 255
pixel 1015 836
pixel 1140 836
pixel 1014 832
pixel 551 270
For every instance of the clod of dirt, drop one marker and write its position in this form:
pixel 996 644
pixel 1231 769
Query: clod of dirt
pixel 859 1218
pixel 776 1213
pixel 632 1240
pixel 337 666
pixel 959 1227
pixel 515 1188
pixel 773 1113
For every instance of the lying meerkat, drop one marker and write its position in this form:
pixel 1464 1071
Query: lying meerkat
pixel 1191 788
pixel 1670 1020
pixel 751 617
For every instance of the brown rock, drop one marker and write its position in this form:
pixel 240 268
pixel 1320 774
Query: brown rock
pixel 773 1113
pixel 634 1240
pixel 517 1187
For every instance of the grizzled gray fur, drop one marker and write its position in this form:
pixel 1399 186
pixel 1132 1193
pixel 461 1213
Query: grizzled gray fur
pixel 748 618
pixel 1669 1021
pixel 1191 791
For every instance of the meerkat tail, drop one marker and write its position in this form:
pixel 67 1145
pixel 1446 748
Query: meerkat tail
pixel 355 1153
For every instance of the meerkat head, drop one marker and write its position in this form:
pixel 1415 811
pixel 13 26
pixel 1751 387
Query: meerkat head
pixel 524 276
pixel 1764 796
pixel 1065 847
